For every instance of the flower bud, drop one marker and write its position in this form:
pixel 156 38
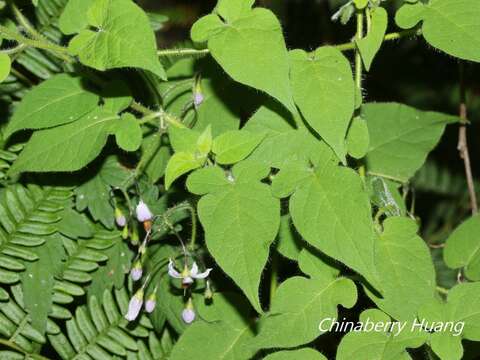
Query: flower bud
pixel 143 212
pixel 137 271
pixel 125 232
pixel 134 240
pixel 135 305
pixel 188 314
pixel 208 294
pixel 198 97
pixel 120 218
pixel 151 302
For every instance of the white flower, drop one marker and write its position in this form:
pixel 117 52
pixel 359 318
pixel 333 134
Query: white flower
pixel 187 275
pixel 135 305
pixel 143 212
pixel 137 271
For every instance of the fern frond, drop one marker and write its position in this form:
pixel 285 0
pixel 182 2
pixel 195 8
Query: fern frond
pixel 7 157
pixel 48 11
pixel 27 215
pixel 99 331
pixel 84 257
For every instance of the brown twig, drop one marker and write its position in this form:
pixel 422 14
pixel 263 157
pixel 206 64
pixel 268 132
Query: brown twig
pixel 462 141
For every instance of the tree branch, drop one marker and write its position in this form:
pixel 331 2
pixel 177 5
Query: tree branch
pixel 462 141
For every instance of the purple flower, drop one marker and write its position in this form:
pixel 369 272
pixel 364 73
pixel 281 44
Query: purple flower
pixel 120 218
pixel 187 275
pixel 135 305
pixel 143 212
pixel 198 99
pixel 137 271
pixel 188 315
pixel 151 302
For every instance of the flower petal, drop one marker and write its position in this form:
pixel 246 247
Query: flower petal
pixel 172 272
pixel 134 307
pixel 202 275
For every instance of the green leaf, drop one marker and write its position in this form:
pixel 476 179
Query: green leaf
pixel 379 345
pixel 289 242
pixel 409 15
pixel 224 329
pixel 304 354
pixel 38 280
pixel 75 225
pixel 370 44
pixel 247 208
pixel 207 179
pixel 113 272
pixel 183 139
pixel 300 304
pixel 249 46
pixel 122 37
pixel 401 138
pixel 179 164
pixel 59 100
pixel 234 146
pixel 205 141
pixel 66 148
pixel 324 91
pixel 449 25
pixel 283 144
pixel 290 178
pixel 358 138
pixel 404 267
pixel 462 306
pixel 27 217
pixel 128 133
pixel 5 65
pixel 94 193
pixel 332 212
pixel 99 330
pixel 74 16
pixel 462 249
pixel 155 156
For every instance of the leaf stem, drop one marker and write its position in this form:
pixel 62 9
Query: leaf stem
pixel 358 58
pixel 273 278
pixel 151 114
pixel 26 24
pixel 388 37
pixel 183 52
pixel 342 47
pixel 442 290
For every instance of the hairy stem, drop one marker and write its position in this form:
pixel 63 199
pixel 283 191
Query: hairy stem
pixel 358 58
pixel 58 50
pixel 462 141
pixel 183 52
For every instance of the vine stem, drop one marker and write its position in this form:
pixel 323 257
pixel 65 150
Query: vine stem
pixel 462 146
pixel 60 51
pixel 358 58
pixel 151 114
pixel 183 52
pixel 342 47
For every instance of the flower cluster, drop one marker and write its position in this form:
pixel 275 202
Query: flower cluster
pixel 187 275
